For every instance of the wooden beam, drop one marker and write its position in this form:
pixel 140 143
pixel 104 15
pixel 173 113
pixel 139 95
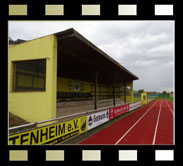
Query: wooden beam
pixel 125 92
pixel 95 97
pixel 114 93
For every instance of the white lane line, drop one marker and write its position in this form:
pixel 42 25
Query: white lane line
pixel 155 132
pixel 134 124
pixel 170 108
pixel 173 121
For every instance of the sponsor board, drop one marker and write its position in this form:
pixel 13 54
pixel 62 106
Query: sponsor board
pixel 97 119
pixel 51 134
pixel 117 111
pixel 134 105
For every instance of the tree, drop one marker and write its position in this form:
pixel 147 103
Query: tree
pixel 140 90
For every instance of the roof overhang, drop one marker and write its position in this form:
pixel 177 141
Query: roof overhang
pixel 80 59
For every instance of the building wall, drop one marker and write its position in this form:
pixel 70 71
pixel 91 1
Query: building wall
pixel 69 85
pixel 38 106
pixel 103 91
pixel 35 106
pixel 144 98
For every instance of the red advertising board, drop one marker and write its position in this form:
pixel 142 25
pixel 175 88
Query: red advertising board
pixel 117 111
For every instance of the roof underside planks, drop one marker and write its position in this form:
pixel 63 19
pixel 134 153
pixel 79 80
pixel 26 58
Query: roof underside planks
pixel 78 58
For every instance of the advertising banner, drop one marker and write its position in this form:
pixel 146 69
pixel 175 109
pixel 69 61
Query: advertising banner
pixel 50 134
pixel 97 119
pixel 117 111
pixel 134 105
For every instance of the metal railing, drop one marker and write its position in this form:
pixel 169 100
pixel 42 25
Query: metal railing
pixel 35 124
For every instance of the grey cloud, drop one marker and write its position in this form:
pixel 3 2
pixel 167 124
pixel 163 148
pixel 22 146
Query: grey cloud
pixel 146 48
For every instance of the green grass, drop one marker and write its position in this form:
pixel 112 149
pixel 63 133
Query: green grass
pixel 135 99
pixel 167 98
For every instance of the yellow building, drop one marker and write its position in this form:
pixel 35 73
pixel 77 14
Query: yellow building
pixel 62 67
pixel 144 98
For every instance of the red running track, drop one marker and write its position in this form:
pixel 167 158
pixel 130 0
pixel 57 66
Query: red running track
pixel 151 124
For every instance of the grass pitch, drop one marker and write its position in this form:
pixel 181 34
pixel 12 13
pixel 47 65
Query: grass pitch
pixel 167 98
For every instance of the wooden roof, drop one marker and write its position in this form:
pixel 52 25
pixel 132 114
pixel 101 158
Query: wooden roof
pixel 78 58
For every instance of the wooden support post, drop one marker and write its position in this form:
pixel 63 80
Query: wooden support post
pixel 114 93
pixel 125 92
pixel 96 82
pixel 132 92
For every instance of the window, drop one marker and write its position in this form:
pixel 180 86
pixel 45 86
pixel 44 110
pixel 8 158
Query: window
pixel 29 75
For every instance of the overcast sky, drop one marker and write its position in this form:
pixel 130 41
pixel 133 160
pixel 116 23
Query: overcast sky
pixel 146 48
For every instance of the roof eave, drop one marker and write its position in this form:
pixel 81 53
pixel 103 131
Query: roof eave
pixel 72 32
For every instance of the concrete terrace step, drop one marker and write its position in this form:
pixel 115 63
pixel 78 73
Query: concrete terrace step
pixel 74 103
pixel 68 108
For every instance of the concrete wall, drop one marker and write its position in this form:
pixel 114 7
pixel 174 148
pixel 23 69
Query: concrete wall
pixel 144 98
pixel 35 106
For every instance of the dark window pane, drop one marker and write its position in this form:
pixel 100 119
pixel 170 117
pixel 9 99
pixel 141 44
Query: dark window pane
pixel 29 75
